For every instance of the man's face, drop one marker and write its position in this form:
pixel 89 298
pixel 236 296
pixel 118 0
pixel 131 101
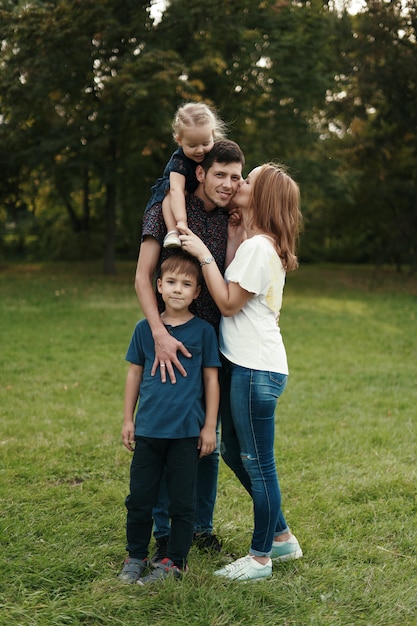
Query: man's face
pixel 219 184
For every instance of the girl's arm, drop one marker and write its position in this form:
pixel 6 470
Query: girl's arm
pixel 229 297
pixel 177 198
pixel 207 440
pixel 133 381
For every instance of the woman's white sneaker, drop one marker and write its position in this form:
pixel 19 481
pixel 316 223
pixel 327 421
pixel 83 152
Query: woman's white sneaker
pixel 246 568
pixel 286 550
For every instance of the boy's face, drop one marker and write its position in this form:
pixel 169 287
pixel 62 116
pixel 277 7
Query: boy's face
pixel 178 290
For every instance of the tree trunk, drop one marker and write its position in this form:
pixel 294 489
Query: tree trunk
pixel 86 201
pixel 109 265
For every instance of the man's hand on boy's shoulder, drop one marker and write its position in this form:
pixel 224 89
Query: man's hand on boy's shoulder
pixel 166 348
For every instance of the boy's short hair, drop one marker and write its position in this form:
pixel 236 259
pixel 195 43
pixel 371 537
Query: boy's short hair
pixel 223 151
pixel 183 263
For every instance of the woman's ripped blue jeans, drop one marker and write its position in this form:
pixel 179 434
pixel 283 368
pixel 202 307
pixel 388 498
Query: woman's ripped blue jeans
pixel 247 406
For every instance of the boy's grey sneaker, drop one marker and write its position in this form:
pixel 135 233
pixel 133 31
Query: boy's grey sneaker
pixel 160 550
pixel 207 542
pixel 132 569
pixel 163 570
pixel 286 550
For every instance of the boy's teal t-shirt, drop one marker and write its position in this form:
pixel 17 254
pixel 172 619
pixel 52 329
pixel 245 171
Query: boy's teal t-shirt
pixel 167 411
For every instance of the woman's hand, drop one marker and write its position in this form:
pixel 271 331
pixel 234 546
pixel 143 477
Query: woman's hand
pixel 236 233
pixel 193 245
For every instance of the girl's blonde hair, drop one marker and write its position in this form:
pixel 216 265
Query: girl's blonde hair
pixel 197 114
pixel 275 209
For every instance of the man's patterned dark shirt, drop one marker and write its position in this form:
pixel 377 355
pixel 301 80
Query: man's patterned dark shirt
pixel 211 227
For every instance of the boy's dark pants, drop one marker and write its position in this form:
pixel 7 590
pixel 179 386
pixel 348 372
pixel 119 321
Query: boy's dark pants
pixel 151 456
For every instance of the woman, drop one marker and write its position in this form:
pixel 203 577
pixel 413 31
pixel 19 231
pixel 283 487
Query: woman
pixel 255 370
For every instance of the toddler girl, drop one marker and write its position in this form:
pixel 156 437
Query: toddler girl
pixel 196 127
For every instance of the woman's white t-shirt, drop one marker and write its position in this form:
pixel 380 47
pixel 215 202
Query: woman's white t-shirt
pixel 252 337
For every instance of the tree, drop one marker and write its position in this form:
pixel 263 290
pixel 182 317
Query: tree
pixel 76 98
pixel 88 91
pixel 268 64
pixel 376 123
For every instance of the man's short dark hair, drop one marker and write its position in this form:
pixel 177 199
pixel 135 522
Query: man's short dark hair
pixel 223 151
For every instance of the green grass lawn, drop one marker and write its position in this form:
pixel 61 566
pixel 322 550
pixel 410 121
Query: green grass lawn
pixel 345 446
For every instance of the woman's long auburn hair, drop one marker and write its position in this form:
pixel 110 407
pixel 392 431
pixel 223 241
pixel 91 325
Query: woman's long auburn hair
pixel 275 209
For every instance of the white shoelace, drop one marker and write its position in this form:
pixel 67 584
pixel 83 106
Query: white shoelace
pixel 242 566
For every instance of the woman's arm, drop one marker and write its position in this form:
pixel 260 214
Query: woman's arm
pixel 229 297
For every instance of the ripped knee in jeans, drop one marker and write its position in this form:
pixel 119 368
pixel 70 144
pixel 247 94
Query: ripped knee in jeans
pixel 245 456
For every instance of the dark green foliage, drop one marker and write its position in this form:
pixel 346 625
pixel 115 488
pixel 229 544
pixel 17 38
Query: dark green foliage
pixel 88 91
pixel 378 146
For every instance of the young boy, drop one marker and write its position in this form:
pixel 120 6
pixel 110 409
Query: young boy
pixel 175 424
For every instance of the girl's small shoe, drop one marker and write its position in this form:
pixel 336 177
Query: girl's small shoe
pixel 172 240
pixel 286 550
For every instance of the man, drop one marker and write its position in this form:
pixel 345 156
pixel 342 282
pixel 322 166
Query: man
pixel 218 178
